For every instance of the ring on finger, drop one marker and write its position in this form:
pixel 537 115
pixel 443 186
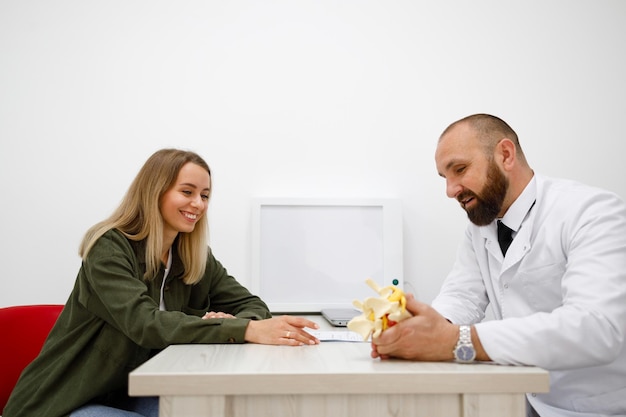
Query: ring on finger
pixel 288 334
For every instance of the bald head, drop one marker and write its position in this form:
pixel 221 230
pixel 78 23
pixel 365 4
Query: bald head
pixel 488 130
pixel 483 164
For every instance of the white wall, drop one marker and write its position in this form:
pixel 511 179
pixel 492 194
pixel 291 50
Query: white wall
pixel 287 98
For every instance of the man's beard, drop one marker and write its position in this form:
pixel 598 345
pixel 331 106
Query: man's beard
pixel 488 205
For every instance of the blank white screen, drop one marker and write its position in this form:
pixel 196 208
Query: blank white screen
pixel 319 255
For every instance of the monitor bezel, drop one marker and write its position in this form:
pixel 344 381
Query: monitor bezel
pixel 392 243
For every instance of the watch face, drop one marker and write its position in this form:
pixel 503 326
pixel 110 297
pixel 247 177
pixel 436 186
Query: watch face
pixel 465 353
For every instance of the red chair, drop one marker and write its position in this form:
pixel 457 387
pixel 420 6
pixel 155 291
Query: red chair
pixel 23 330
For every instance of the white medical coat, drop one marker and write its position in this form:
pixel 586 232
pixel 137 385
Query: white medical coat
pixel 558 297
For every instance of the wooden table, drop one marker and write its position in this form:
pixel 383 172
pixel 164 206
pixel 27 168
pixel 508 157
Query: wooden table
pixel 333 379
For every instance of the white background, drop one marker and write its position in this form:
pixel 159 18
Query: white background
pixel 288 99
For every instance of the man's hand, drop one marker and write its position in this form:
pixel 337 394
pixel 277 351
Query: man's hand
pixel 427 336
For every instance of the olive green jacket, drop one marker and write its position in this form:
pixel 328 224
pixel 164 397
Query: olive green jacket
pixel 112 323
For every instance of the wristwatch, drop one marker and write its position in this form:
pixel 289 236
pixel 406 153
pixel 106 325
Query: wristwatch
pixel 464 350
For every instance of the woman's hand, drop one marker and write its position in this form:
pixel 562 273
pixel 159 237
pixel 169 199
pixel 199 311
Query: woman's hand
pixel 281 330
pixel 217 315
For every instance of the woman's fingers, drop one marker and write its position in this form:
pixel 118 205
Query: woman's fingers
pixel 299 337
pixel 281 330
pixel 217 315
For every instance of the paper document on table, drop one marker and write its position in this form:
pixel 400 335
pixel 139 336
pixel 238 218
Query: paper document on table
pixel 336 336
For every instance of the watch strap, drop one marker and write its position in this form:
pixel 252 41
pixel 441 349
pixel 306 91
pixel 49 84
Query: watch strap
pixel 464 350
pixel 465 335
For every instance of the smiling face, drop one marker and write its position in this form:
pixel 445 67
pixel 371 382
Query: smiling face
pixel 472 178
pixel 484 207
pixel 186 201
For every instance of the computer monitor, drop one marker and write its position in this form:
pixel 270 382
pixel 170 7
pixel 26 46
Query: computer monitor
pixel 311 254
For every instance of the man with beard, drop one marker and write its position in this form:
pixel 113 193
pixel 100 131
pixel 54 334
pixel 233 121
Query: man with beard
pixel 558 294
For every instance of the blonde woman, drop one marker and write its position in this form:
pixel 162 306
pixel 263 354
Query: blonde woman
pixel 147 280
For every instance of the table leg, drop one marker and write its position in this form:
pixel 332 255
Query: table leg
pixel 192 406
pixel 494 405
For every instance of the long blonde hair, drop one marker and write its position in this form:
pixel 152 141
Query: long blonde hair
pixel 139 217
